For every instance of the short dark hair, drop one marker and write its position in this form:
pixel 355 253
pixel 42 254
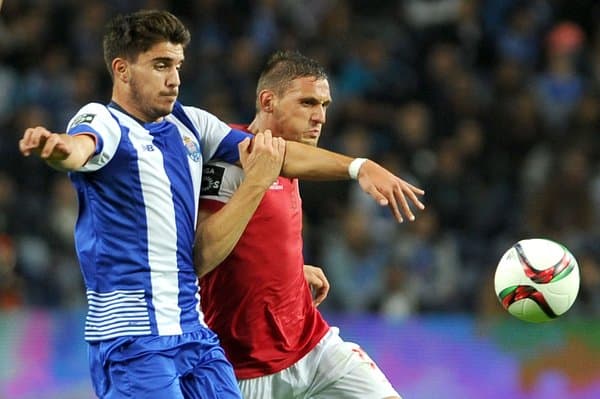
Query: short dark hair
pixel 283 67
pixel 130 35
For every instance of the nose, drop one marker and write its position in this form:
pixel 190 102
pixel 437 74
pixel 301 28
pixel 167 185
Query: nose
pixel 319 115
pixel 173 79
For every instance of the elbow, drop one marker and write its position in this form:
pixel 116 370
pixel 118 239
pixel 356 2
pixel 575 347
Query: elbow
pixel 200 265
pixel 203 263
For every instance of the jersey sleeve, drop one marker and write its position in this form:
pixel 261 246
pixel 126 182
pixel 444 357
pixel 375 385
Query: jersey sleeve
pixel 96 119
pixel 219 181
pixel 218 141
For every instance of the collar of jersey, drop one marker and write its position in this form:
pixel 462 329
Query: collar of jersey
pixel 146 125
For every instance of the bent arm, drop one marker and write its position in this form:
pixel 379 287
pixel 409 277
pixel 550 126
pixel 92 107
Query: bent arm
pixel 219 232
pixel 60 150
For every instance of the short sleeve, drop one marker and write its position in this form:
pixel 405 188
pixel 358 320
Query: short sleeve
pixel 217 139
pixel 96 119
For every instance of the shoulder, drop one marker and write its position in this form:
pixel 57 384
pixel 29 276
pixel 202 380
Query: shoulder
pixel 89 113
pixel 194 112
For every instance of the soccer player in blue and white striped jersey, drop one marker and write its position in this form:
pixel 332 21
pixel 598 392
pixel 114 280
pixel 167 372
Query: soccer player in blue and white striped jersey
pixel 136 164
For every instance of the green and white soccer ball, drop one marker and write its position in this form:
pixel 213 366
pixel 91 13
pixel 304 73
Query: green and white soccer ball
pixel 537 280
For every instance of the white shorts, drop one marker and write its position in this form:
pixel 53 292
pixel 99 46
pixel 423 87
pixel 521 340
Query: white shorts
pixel 333 369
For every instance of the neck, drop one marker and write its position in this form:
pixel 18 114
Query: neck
pixel 259 124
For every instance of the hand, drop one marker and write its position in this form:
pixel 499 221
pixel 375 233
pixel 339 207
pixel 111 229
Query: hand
pixel 388 189
pixel 45 144
pixel 262 158
pixel 317 282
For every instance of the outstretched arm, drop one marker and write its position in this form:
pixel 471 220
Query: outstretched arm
pixel 59 150
pixel 314 163
pixel 218 233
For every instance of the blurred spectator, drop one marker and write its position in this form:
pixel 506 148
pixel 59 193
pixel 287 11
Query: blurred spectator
pixel 563 208
pixel 354 259
pixel 431 260
pixel 560 86
pixel 492 106
pixel 11 290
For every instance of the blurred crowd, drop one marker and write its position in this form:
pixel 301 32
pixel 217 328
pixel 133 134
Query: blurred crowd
pixel 491 106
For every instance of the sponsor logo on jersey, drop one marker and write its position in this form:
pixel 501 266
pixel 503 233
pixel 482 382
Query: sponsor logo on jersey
pixel 192 148
pixel 83 118
pixel 212 177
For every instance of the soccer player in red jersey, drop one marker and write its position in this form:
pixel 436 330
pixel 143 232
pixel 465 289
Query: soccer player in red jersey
pixel 258 299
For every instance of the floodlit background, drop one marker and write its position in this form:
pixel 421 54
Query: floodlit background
pixel 493 107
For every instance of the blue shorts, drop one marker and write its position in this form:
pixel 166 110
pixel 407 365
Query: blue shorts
pixel 187 366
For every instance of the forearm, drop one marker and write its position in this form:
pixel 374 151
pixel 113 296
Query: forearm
pixel 312 163
pixel 82 147
pixel 218 233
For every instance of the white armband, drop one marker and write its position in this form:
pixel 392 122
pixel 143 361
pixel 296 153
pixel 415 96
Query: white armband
pixel 354 167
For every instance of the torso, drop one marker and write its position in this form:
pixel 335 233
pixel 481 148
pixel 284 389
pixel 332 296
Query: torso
pixel 258 300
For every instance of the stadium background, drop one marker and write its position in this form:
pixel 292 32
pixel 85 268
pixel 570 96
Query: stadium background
pixel 492 106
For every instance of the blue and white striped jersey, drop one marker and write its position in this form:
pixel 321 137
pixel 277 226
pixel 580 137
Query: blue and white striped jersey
pixel 138 202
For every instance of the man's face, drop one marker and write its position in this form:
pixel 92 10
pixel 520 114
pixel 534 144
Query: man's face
pixel 300 112
pixel 154 81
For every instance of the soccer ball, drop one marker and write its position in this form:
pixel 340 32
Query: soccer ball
pixel 537 280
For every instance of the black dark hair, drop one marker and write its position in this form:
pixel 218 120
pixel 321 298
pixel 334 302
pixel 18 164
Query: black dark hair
pixel 129 35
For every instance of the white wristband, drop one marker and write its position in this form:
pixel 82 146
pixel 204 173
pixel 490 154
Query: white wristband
pixel 354 167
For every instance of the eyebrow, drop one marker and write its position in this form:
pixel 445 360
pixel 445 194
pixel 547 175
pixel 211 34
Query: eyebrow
pixel 314 100
pixel 169 60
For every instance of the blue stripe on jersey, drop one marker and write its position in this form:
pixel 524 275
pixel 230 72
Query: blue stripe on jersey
pixel 227 150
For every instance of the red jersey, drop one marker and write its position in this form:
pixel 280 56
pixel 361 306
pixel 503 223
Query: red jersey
pixel 257 300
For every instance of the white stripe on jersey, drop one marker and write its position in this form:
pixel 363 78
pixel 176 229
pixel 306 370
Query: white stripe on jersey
pixel 160 216
pixel 111 313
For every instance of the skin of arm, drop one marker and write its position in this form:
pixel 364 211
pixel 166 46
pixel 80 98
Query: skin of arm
pixel 59 150
pixel 218 233
pixel 309 162
pixel 313 163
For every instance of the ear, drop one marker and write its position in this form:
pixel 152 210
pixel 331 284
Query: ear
pixel 266 99
pixel 120 69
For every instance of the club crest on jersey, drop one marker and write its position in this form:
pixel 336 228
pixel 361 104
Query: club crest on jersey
pixel 192 148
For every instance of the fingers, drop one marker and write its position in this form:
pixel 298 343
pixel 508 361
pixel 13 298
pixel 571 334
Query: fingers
pixel 322 291
pixel 33 139
pixel 244 145
pixel 265 141
pixel 52 142
pixel 402 196
pixel 320 296
pixel 315 277
pixel 398 196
